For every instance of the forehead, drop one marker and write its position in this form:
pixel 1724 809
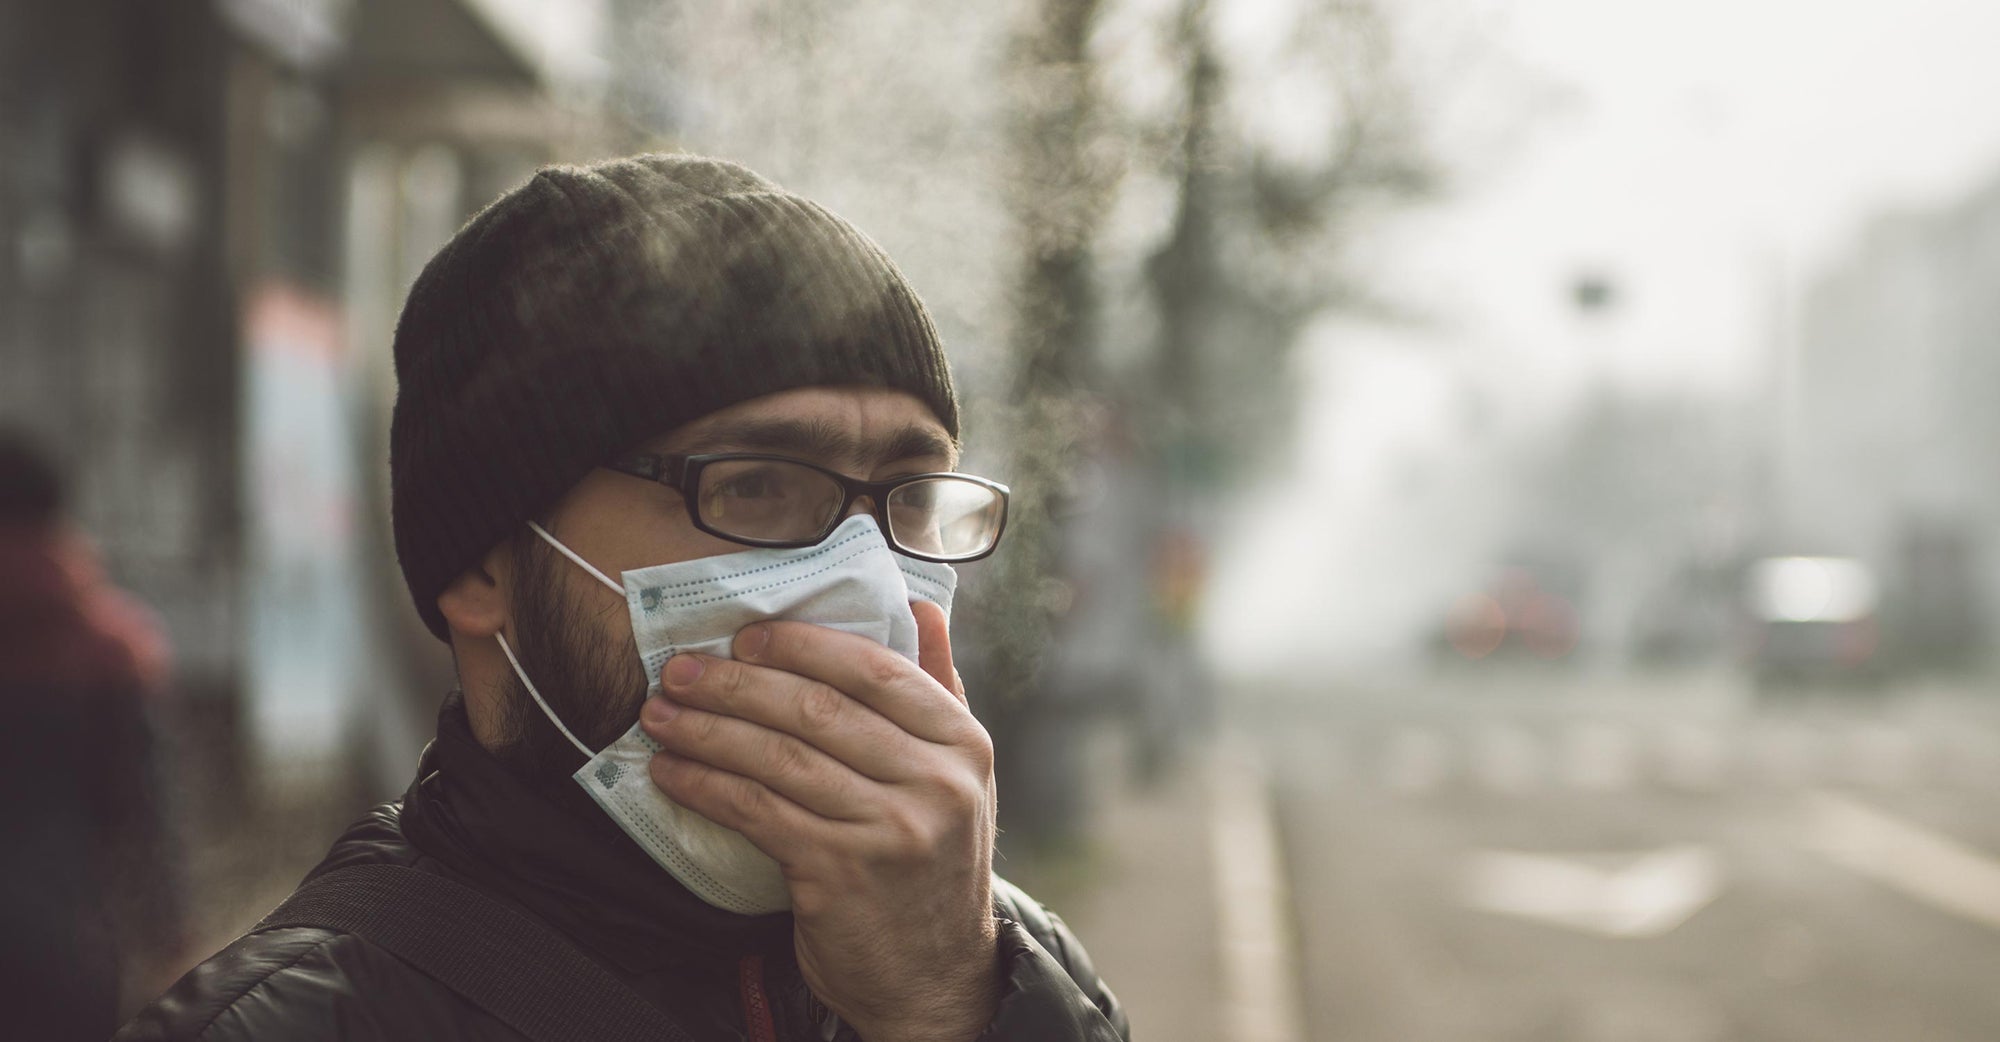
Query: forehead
pixel 852 425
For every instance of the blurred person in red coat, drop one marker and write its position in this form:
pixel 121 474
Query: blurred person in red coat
pixel 87 889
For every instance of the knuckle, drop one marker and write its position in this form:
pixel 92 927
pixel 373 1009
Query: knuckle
pixel 961 794
pixel 978 746
pixel 910 835
pixel 883 668
pixel 748 799
pixel 819 707
pixel 788 758
pixel 955 788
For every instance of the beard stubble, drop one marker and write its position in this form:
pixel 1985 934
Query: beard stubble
pixel 584 666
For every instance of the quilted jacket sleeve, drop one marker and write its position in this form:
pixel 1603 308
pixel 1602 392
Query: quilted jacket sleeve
pixel 305 984
pixel 1051 992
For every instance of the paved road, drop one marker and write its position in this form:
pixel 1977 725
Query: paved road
pixel 1641 863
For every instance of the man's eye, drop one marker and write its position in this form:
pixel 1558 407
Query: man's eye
pixel 768 500
pixel 755 485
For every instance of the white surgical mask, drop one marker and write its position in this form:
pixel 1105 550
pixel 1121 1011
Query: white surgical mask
pixel 850 581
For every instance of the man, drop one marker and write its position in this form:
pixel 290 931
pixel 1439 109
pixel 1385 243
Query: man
pixel 641 404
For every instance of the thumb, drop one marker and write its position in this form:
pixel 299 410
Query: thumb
pixel 934 646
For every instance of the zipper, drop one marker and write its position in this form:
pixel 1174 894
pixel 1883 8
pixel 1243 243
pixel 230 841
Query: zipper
pixel 756 1000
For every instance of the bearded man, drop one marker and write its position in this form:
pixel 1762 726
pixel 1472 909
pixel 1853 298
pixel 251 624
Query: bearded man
pixel 672 469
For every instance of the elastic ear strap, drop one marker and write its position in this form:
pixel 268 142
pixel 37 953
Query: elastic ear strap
pixel 572 555
pixel 530 685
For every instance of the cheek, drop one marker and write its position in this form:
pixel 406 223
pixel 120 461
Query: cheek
pixel 647 538
pixel 684 542
pixel 619 523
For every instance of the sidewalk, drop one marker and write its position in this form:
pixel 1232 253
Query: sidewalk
pixel 1143 895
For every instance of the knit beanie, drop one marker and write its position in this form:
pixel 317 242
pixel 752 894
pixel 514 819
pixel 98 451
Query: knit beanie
pixel 595 307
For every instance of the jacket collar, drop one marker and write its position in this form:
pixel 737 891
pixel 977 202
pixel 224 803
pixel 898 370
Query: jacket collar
pixel 554 852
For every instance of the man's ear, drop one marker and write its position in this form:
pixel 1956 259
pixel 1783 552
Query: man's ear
pixel 475 604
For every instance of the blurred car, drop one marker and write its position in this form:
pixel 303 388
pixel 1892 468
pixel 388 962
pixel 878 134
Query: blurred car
pixel 1814 622
pixel 1690 615
pixel 1523 615
pixel 1936 617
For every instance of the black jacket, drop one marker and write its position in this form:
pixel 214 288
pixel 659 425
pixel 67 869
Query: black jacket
pixel 555 855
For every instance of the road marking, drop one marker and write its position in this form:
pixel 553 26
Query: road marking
pixel 1514 758
pixel 1928 866
pixel 1260 979
pixel 1650 896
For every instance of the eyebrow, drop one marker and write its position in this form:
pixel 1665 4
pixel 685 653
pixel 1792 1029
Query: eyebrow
pixel 819 439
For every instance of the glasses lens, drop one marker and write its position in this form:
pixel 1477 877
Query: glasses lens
pixel 767 499
pixel 946 517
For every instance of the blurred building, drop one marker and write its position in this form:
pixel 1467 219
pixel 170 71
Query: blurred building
pixel 1894 436
pixel 208 215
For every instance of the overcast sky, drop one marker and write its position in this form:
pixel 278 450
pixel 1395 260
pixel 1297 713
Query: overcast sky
pixel 1706 156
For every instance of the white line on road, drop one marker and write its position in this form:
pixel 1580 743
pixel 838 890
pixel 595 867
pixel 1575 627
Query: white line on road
pixel 1260 994
pixel 1928 866
pixel 1650 895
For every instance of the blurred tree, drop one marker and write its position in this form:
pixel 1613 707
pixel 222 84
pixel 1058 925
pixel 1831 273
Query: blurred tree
pixel 1260 243
pixel 1256 249
pixel 1057 194
pixel 1281 149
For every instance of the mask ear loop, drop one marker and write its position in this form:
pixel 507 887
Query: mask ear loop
pixel 516 663
pixel 616 588
pixel 530 685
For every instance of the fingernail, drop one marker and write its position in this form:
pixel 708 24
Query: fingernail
pixel 659 710
pixel 683 670
pixel 752 640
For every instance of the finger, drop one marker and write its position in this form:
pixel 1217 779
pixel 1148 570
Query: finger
pixel 773 824
pixel 784 764
pixel 866 671
pixel 934 647
pixel 822 717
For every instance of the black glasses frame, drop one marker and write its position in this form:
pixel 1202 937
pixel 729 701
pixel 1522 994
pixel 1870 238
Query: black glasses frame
pixel 683 475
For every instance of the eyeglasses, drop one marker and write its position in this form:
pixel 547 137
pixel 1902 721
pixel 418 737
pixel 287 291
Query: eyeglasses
pixel 777 501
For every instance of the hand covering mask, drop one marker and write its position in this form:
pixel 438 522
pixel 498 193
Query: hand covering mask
pixel 850 581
